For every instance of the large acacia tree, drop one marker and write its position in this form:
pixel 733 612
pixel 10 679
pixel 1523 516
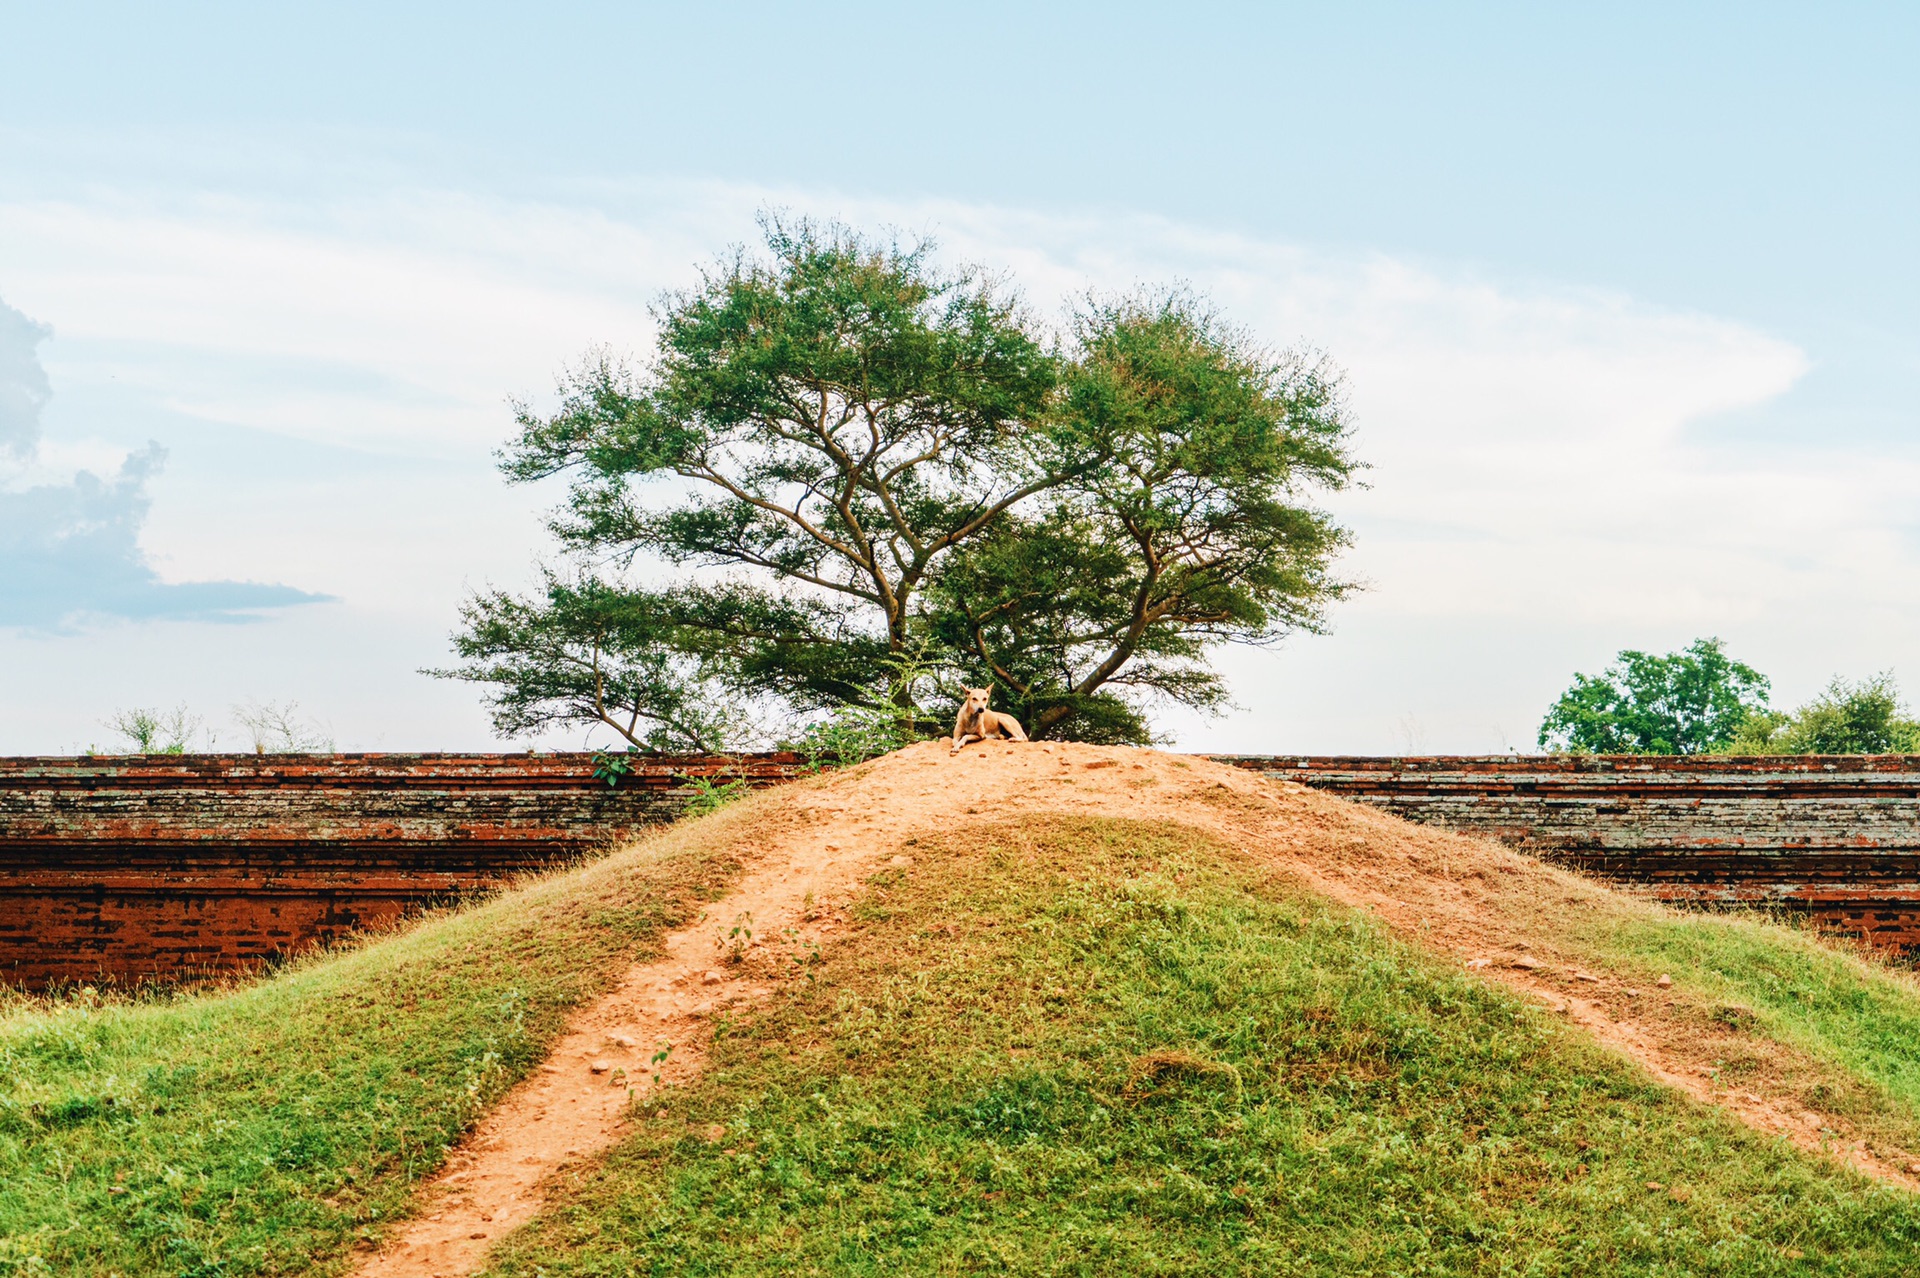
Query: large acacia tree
pixel 881 482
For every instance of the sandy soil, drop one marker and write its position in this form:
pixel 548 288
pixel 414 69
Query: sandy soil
pixel 1498 912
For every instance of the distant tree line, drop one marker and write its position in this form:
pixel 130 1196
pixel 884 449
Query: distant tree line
pixel 1701 701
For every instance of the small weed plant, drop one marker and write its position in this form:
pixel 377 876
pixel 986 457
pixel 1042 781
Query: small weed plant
pixel 853 736
pixel 705 794
pixel 612 767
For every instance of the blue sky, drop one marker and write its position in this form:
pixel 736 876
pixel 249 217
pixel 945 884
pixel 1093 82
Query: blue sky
pixel 1627 299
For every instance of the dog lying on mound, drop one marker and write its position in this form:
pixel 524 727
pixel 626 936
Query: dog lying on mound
pixel 977 723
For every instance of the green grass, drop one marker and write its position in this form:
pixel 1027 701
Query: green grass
pixel 1098 1048
pixel 267 1129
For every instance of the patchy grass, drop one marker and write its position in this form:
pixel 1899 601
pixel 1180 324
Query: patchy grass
pixel 1848 1021
pixel 268 1128
pixel 1086 1047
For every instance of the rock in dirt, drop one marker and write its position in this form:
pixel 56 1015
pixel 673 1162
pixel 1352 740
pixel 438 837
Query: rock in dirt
pixel 714 978
pixel 1527 963
pixel 901 860
pixel 1479 964
pixel 601 1067
pixel 1665 982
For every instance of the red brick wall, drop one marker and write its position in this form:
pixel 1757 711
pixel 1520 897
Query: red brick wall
pixel 166 865
pixel 162 865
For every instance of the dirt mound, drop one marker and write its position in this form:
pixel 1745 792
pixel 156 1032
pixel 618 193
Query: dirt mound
pixel 1511 918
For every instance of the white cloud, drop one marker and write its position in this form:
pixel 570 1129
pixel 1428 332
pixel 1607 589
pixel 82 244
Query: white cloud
pixel 1537 464
pixel 69 550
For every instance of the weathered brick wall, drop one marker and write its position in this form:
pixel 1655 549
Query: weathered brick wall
pixel 162 865
pixel 1834 837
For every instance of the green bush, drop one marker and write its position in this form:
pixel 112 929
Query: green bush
pixel 853 735
pixel 1848 718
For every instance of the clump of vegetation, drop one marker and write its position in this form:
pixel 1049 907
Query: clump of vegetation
pixel 271 727
pixel 280 728
pixel 885 458
pixel 155 731
pixel 852 735
pixel 708 794
pixel 1700 701
pixel 612 767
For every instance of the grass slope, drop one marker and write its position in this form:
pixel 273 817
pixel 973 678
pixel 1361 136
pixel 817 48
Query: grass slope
pixel 1100 1048
pixel 267 1129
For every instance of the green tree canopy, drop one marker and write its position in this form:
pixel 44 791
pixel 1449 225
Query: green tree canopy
pixel 881 482
pixel 1685 702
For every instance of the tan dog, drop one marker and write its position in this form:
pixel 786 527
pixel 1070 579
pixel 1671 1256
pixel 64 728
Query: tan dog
pixel 977 723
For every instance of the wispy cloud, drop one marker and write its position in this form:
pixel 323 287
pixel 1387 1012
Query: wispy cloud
pixel 71 551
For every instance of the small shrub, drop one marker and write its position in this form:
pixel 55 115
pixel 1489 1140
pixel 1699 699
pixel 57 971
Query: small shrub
pixel 153 731
pixel 281 729
pixel 1847 718
pixel 704 794
pixel 611 768
pixel 853 736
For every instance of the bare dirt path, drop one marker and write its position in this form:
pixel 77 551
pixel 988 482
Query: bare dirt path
pixel 1492 908
pixel 792 896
